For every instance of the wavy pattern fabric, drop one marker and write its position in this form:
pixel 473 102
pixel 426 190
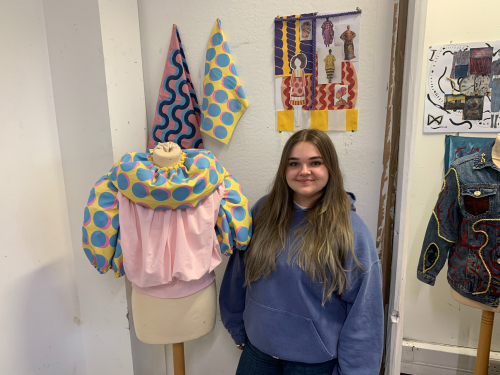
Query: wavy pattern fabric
pixel 177 117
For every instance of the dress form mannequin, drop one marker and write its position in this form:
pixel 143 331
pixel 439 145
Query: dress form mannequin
pixel 484 344
pixel 173 320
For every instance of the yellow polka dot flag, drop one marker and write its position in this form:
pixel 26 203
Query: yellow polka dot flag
pixel 224 100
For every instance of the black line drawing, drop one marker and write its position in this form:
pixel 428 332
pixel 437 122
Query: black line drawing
pixel 431 119
pixel 461 123
pixel 433 53
pixel 439 80
pixel 437 105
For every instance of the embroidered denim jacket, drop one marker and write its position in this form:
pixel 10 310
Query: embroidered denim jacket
pixel 464 228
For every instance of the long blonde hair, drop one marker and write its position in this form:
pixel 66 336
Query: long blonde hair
pixel 320 246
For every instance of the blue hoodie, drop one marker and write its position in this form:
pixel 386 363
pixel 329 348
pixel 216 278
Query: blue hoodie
pixel 283 317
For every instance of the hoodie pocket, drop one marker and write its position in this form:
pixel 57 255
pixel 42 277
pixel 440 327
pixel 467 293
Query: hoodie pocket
pixel 284 334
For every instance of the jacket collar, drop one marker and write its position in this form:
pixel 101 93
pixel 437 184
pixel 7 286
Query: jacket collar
pixel 483 158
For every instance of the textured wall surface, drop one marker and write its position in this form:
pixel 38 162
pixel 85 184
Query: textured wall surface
pixel 253 153
pixel 430 314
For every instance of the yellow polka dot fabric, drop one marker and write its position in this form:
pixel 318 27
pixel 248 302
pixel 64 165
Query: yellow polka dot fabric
pixel 224 100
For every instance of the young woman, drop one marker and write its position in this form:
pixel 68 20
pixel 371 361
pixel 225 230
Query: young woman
pixel 305 297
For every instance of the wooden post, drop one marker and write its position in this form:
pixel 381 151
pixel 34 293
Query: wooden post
pixel 179 366
pixel 484 344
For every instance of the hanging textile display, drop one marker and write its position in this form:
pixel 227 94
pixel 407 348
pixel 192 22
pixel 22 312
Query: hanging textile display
pixel 457 147
pixel 316 62
pixel 177 115
pixel 224 100
pixel 463 88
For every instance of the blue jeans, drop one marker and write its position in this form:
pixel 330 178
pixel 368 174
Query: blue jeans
pixel 254 362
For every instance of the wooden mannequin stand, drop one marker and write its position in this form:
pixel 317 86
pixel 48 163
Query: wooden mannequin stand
pixel 484 342
pixel 179 364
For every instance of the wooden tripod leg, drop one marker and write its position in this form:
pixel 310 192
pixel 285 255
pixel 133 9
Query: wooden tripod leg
pixel 484 344
pixel 179 366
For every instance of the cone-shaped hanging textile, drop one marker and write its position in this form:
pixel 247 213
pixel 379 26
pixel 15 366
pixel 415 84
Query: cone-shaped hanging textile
pixel 223 98
pixel 177 117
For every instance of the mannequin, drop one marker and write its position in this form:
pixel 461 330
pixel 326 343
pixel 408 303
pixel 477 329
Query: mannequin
pixel 175 320
pixel 488 315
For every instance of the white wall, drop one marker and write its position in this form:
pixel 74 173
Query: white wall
pixel 431 315
pixel 38 294
pixel 254 150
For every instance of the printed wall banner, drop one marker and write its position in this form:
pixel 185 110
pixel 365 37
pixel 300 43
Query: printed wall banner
pixel 463 88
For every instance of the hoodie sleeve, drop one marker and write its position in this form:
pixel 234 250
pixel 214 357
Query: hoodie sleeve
pixel 100 230
pixel 442 231
pixel 234 223
pixel 361 339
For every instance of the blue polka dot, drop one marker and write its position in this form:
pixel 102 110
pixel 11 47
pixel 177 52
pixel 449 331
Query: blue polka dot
pixel 225 226
pixel 233 234
pixel 181 193
pixel 144 174
pixel 220 132
pixel 118 250
pixel 219 167
pixel 227 183
pixel 233 197
pixel 240 92
pixel 225 47
pixel 213 177
pixel 209 89
pixel 141 156
pixel 207 124
pixel 176 180
pixel 183 206
pixel 101 261
pixel 229 216
pixel 111 186
pixel 215 74
pixel 126 158
pixel 160 180
pixel 192 153
pixel 243 234
pixel 115 222
pixel 214 110
pixel 139 190
pixel 209 155
pixel 112 240
pixel 204 104
pixel 123 182
pixel 89 255
pixel 112 176
pixel 207 68
pixel 91 196
pixel 188 163
pixel 106 200
pixel 224 248
pixel 216 39
pixel 86 215
pixel 199 187
pixel 210 54
pixel 227 118
pixel 98 238
pixel 101 219
pixel 127 167
pixel 202 163
pixel 234 105
pixel 222 60
pixel 147 163
pixel 229 82
pixel 220 96
pixel 239 213
pixel 160 195
pixel 85 235
pixel 233 70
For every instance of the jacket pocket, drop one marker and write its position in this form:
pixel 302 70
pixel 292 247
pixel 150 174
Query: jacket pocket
pixel 477 199
pixel 283 334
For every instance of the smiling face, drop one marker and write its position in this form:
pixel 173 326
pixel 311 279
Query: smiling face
pixel 306 173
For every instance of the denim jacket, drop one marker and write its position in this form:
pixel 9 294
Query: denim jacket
pixel 464 227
